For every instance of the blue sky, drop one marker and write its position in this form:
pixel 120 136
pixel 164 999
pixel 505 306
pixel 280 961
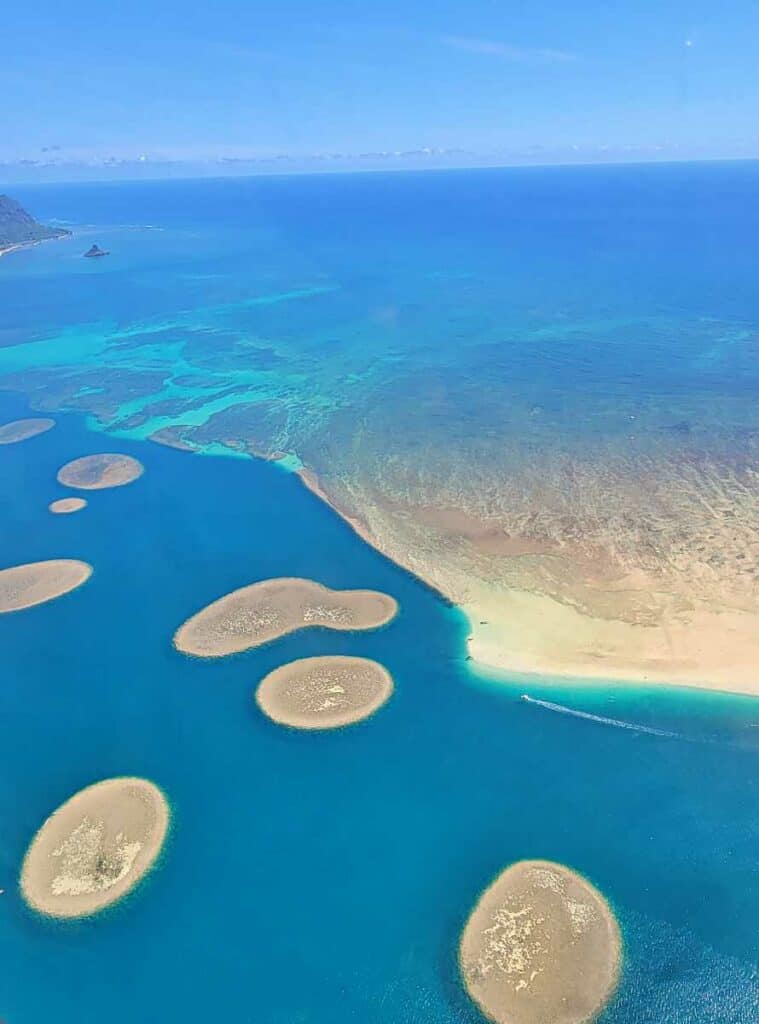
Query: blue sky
pixel 533 81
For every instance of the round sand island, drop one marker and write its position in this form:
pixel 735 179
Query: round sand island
pixel 324 693
pixel 264 611
pixel 24 586
pixel 95 847
pixel 95 472
pixel 65 506
pixel 22 430
pixel 541 947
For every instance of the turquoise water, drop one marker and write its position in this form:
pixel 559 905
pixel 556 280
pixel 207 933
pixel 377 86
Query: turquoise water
pixel 326 878
pixel 571 353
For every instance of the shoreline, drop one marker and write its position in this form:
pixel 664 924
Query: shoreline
pixel 8 249
pixel 508 630
pixel 33 243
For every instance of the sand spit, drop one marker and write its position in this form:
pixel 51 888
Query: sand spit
pixel 64 506
pixel 709 647
pixel 22 430
pixel 535 613
pixel 24 586
pixel 324 693
pixel 95 472
pixel 95 847
pixel 264 611
pixel 541 947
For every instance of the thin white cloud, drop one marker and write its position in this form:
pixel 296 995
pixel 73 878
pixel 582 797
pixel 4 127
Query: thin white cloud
pixel 516 54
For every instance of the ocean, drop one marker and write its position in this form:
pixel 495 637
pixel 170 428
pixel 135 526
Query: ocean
pixel 414 339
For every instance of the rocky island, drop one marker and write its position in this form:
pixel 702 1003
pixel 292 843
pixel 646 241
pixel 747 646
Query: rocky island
pixel 18 228
pixel 95 250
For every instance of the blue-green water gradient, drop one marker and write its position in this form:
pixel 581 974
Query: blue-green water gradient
pixel 325 878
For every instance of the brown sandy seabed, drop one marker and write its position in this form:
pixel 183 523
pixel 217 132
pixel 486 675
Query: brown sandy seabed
pixel 658 583
pixel 642 573
pixel 541 945
pixel 325 692
pixel 95 847
pixel 269 609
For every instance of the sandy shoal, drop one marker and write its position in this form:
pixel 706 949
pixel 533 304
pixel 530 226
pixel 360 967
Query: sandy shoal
pixel 324 692
pixel 709 645
pixel 267 610
pixel 95 472
pixel 64 506
pixel 22 430
pixel 541 946
pixel 95 847
pixel 710 648
pixel 23 586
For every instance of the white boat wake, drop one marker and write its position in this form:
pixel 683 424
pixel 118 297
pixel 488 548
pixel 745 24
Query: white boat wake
pixel 562 710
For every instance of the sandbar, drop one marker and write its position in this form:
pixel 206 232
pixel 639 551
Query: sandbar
pixel 63 506
pixel 548 607
pixel 325 692
pixel 265 611
pixel 541 946
pixel 24 586
pixel 95 472
pixel 22 430
pixel 95 847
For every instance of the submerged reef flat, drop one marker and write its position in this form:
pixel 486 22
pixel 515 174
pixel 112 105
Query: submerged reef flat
pixel 94 848
pixel 324 692
pixel 264 611
pixel 593 566
pixel 541 947
pixel 24 586
pixel 580 478
pixel 22 430
pixel 95 472
pixel 64 506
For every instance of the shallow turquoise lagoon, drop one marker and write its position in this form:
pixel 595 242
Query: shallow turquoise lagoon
pixel 325 878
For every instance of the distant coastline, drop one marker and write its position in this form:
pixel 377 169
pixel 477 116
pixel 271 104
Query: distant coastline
pixel 19 230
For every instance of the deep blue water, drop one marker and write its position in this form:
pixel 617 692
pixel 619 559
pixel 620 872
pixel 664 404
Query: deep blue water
pixel 326 878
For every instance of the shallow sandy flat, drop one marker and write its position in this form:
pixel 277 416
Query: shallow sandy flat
pixel 95 472
pixel 541 947
pixel 23 586
pixel 709 647
pixel 325 692
pixel 267 610
pixel 22 430
pixel 64 506
pixel 95 847
pixel 569 609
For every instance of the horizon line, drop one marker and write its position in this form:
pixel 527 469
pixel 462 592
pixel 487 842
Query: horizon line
pixel 337 171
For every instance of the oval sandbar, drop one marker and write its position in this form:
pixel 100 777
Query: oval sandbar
pixel 95 847
pixel 95 472
pixel 541 946
pixel 65 506
pixel 22 430
pixel 23 586
pixel 264 611
pixel 324 693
